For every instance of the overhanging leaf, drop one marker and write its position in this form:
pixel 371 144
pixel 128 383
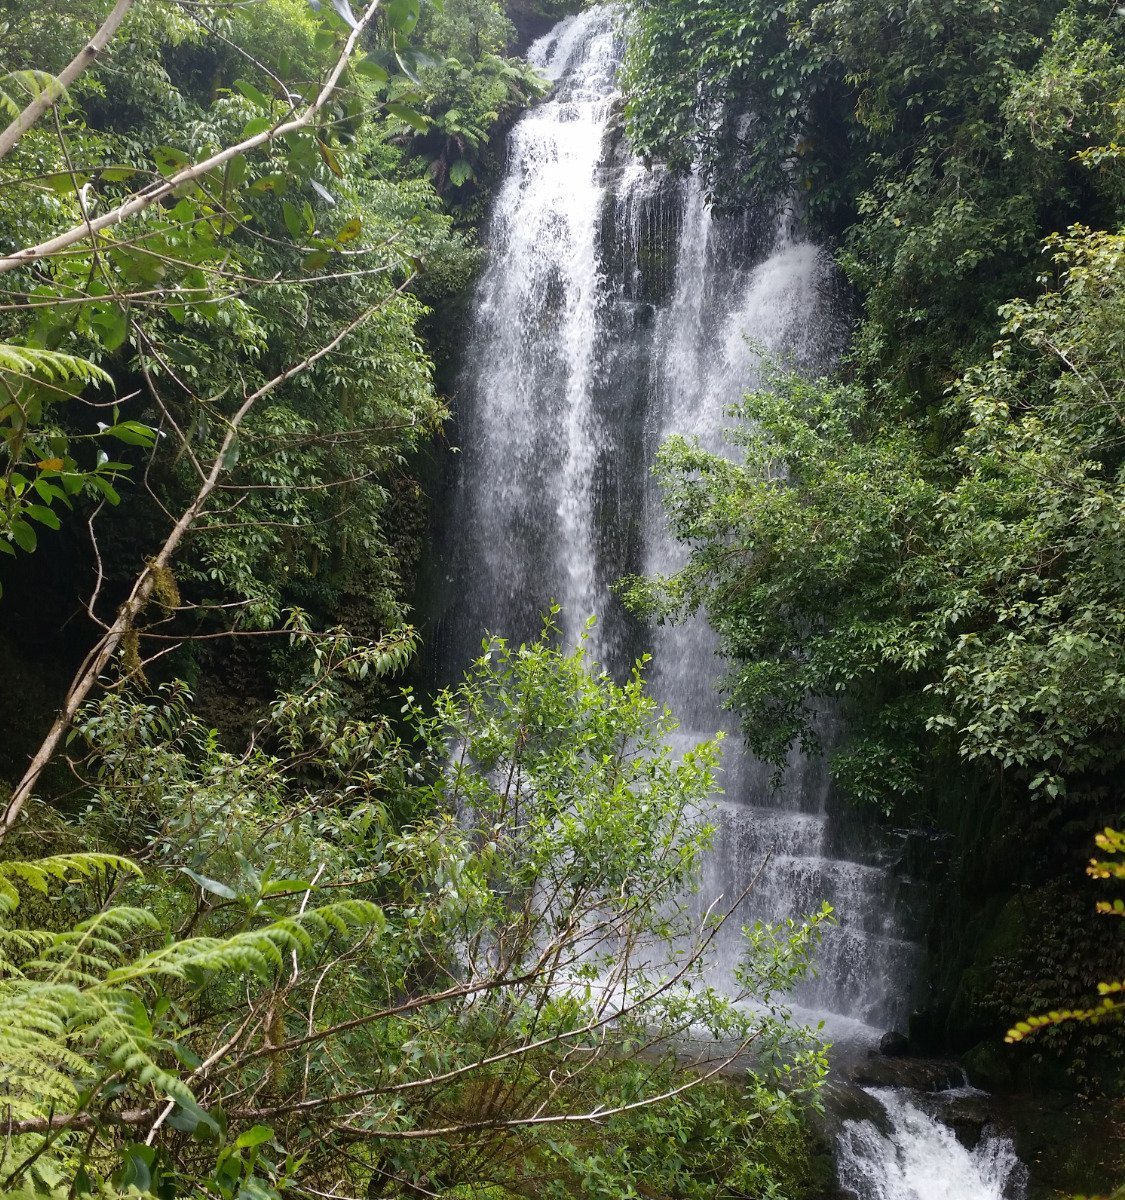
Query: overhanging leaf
pixel 210 885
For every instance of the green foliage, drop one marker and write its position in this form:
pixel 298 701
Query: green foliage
pixel 724 87
pixel 448 953
pixel 721 1139
pixel 469 105
pixel 356 958
pixel 961 599
pixel 149 334
pixel 943 141
pixel 1111 1005
pixel 928 545
pixel 472 93
pixel 38 467
pixel 76 1005
pixel 39 874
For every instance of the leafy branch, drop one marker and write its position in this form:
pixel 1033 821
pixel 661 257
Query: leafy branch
pixel 1112 1003
pixel 155 193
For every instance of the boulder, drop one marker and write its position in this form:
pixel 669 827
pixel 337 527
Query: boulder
pixel 966 1115
pixel 918 1074
pixel 894 1044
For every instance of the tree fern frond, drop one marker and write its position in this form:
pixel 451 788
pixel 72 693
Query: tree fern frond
pixel 341 917
pixel 51 365
pixel 22 943
pixel 75 1013
pixel 34 1085
pixel 39 1071
pixel 36 1006
pixel 56 1037
pixel 9 896
pixel 126 1047
pixel 38 873
pixel 258 951
pixel 85 954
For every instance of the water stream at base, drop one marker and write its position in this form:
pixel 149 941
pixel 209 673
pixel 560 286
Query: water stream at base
pixel 617 308
pixel 911 1154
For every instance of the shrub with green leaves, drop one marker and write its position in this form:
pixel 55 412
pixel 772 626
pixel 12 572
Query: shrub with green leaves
pixel 962 600
pixel 467 958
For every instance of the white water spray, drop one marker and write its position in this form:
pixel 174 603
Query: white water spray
pixel 919 1158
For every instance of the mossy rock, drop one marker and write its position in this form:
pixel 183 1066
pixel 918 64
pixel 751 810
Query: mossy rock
pixel 1069 1147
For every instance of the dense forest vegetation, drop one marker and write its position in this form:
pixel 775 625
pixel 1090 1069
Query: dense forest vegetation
pixel 262 932
pixel 270 923
pixel 932 539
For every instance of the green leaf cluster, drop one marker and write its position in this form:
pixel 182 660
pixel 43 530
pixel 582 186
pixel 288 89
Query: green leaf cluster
pixel 148 336
pixel 961 599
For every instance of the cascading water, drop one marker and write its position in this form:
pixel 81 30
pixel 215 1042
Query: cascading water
pixel 617 308
pixel 531 439
pixel 918 1157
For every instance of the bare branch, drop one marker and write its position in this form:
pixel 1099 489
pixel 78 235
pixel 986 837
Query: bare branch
pixel 49 96
pixel 156 192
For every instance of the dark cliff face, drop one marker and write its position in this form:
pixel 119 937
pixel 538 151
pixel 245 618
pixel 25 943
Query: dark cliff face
pixel 534 18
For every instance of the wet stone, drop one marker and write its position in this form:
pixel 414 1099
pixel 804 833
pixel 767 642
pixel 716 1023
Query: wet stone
pixel 917 1074
pixel 894 1044
pixel 967 1116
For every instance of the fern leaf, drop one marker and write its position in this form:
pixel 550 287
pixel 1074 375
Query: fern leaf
pixel 127 1047
pixel 91 949
pixel 38 873
pixel 258 951
pixel 9 897
pixel 51 365
pixel 21 944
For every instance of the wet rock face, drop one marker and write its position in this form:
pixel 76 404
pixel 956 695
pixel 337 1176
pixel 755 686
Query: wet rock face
pixel 533 18
pixel 917 1074
pixel 847 1102
pixel 894 1044
pixel 967 1116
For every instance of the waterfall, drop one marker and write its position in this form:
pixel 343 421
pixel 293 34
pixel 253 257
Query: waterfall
pixel 917 1157
pixel 532 438
pixel 617 307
